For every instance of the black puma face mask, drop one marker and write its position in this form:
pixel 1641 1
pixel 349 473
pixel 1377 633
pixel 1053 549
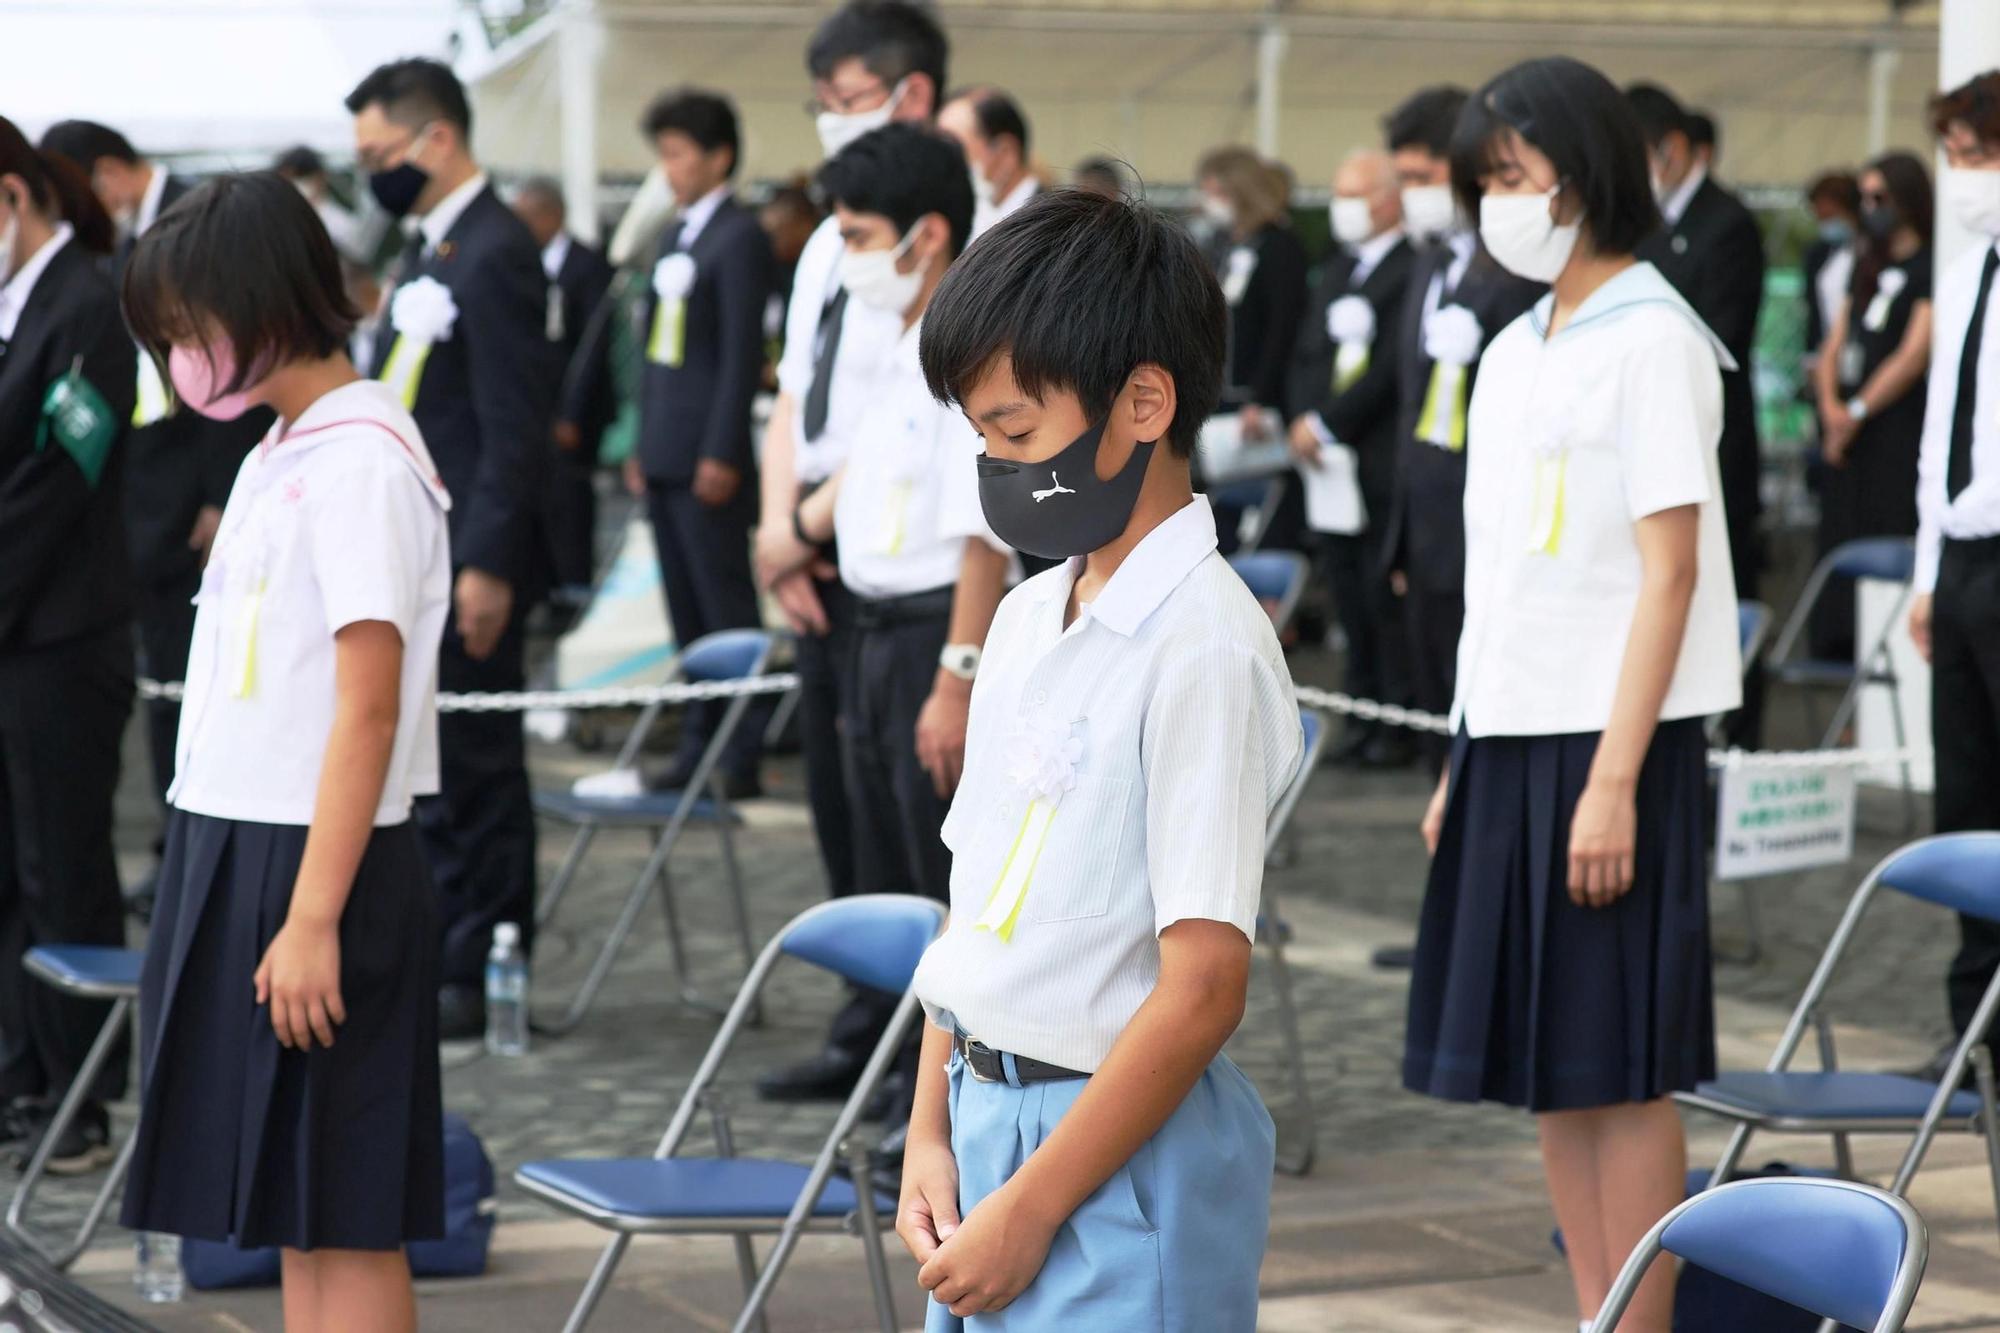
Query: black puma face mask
pixel 1059 508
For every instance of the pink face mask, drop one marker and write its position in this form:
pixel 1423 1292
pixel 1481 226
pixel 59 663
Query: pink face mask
pixel 197 376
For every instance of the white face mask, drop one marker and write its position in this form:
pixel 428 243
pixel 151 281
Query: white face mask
pixel 871 278
pixel 1353 221
pixel 1218 210
pixel 1522 235
pixel 983 192
pixel 837 129
pixel 1973 197
pixel 1429 210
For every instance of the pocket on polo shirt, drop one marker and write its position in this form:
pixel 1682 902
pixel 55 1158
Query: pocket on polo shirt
pixel 1075 872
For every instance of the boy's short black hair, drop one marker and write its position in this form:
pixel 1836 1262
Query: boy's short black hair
pixel 246 256
pixel 891 38
pixel 1425 120
pixel 705 117
pixel 1578 120
pixel 995 113
pixel 1078 290
pixel 301 163
pixel 414 92
pixel 84 142
pixel 1104 174
pixel 1659 113
pixel 1701 131
pixel 903 173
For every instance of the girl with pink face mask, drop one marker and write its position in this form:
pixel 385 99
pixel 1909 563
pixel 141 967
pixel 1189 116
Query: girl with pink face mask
pixel 288 1011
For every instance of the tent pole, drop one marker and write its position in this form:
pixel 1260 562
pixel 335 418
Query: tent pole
pixel 579 55
pixel 1968 44
pixel 1270 65
pixel 1882 63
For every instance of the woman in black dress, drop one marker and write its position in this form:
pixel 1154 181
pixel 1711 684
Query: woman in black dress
pixel 1871 377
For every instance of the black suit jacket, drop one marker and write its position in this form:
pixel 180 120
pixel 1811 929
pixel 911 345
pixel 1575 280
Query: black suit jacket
pixel 63 566
pixel 588 396
pixel 1265 322
pixel 1365 416
pixel 487 394
pixel 1715 257
pixel 1427 521
pixel 700 409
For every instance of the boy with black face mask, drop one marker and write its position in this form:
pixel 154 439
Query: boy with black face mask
pixel 1080 1153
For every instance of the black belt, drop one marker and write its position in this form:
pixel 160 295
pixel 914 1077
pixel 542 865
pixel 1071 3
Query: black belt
pixel 882 612
pixel 988 1065
pixel 1984 548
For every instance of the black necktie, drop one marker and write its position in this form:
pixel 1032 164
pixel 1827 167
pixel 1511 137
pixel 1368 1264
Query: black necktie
pixel 830 319
pixel 1958 468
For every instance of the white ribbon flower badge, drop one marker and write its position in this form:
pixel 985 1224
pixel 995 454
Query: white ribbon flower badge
pixel 423 314
pixel 1042 759
pixel 1236 274
pixel 1551 450
pixel 1350 323
pixel 673 281
pixel 1887 288
pixel 1451 340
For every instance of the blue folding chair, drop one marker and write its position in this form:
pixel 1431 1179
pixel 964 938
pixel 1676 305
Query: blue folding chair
pixel 1275 578
pixel 1960 871
pixel 1255 503
pixel 1850 1253
pixel 1273 932
pixel 1891 560
pixel 83 972
pixel 873 940
pixel 729 655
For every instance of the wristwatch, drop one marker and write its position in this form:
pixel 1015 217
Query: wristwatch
pixel 960 659
pixel 1857 407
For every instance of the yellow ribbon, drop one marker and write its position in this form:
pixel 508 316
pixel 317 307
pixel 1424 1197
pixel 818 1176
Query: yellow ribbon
pixel 1442 421
pixel 151 404
pixel 1010 888
pixel 246 643
pixel 1545 529
pixel 404 370
pixel 1350 363
pixel 668 344
pixel 896 524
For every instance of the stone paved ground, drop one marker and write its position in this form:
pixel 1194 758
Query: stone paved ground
pixel 1419 1216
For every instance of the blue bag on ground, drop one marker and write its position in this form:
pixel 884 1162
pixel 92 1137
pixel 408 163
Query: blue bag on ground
pixel 469 1205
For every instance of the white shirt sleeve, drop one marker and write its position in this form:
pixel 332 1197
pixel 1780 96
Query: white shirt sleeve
pixel 795 367
pixel 371 523
pixel 1220 741
pixel 1670 423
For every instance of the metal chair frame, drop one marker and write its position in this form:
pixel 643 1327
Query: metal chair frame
pixel 1257 515
pixel 655 873
pixel 1272 933
pixel 1753 627
pixel 1897 1302
pixel 867 1220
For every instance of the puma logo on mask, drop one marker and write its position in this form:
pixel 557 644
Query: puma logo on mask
pixel 1057 489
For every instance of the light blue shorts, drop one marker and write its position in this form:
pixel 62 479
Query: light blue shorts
pixel 1172 1243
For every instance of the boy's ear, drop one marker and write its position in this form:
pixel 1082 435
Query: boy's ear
pixel 1151 401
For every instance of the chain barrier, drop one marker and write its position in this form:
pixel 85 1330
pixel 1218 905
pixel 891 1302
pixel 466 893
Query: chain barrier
pixel 1330 701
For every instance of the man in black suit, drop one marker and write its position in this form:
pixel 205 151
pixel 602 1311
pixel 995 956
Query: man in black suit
pixel 1345 381
pixel 179 465
pixel 704 361
pixel 579 277
pixel 1712 251
pixel 466 344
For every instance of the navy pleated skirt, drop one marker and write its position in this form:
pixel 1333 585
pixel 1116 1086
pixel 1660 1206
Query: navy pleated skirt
pixel 242 1140
pixel 1522 997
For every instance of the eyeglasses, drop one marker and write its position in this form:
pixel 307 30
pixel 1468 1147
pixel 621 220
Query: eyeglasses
pixel 842 104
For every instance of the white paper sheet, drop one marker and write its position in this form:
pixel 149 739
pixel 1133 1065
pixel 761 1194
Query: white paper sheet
pixel 1226 458
pixel 1333 492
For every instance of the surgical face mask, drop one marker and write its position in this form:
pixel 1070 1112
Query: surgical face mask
pixel 1521 234
pixel 1879 220
pixel 871 277
pixel 398 188
pixel 837 129
pixel 1429 210
pixel 1353 221
pixel 1836 232
pixel 1218 210
pixel 1059 508
pixel 1973 197
pixel 198 374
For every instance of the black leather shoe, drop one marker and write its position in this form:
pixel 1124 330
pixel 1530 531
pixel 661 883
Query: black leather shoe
pixel 891 1102
pixel 1390 747
pixel 1933 1070
pixel 827 1077
pixel 1395 957
pixel 461 1013
pixel 676 776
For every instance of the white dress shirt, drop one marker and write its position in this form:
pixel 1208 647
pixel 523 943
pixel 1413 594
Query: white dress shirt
pixel 909 491
pixel 1368 255
pixel 1162 723
pixel 1976 512
pixel 437 224
pixel 1573 439
pixel 1675 206
pixel 698 215
pixel 14 295
pixel 985 215
pixel 149 202
pixel 866 336
pixel 555 254
pixel 338 519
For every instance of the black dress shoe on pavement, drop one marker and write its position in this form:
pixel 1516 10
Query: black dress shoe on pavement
pixel 1395 957
pixel 85 1144
pixel 461 1013
pixel 1389 748
pixel 827 1077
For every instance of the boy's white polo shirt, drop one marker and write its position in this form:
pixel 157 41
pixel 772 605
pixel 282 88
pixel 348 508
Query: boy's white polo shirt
pixel 337 519
pixel 1162 727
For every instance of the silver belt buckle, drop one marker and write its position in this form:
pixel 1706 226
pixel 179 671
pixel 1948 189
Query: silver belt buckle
pixel 965 1049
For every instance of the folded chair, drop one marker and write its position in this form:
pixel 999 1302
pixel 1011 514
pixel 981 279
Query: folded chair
pixel 1255 502
pixel 1273 932
pixel 1850 1253
pixel 1960 871
pixel 729 655
pixel 1753 627
pixel 874 940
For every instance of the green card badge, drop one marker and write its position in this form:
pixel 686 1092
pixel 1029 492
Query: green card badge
pixel 76 417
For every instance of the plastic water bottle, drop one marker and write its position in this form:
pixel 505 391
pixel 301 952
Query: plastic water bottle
pixel 506 993
pixel 157 1273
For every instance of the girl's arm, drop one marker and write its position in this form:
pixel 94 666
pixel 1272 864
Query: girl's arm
pixel 997 1251
pixel 1905 366
pixel 300 974
pixel 1604 828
